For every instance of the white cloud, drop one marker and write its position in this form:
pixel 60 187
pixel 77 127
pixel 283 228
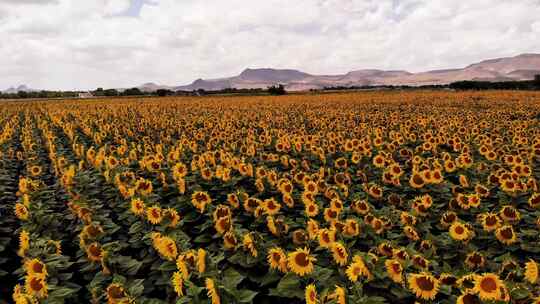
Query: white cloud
pixel 83 44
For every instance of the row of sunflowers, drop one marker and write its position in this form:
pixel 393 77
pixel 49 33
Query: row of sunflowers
pixel 372 197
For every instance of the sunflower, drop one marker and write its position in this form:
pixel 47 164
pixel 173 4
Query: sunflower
pixel 21 212
pixel 137 206
pixel 394 270
pixel 277 259
pixel 339 253
pixel 144 187
pixel 223 225
pixel 200 199
pixel 251 204
pixel 356 269
pixel 311 209
pixel 416 180
pixel 459 232
pixel 229 240
pixel 311 294
pixel 361 207
pixel 506 235
pixel 249 244
pixel 490 221
pixel 475 260
pixel 36 286
pixel 534 200
pixel 24 243
pixel 488 287
pixel 312 229
pixel 448 218
pixel 35 268
pixel 326 237
pixel 35 170
pixel 201 260
pixel 94 252
pixel 351 228
pixel 299 237
pixel 172 217
pixel 531 271
pixel 509 214
pixel 271 207
pixel 411 233
pixel 165 246
pixel 424 285
pixel 154 215
pixel 468 298
pixel 300 261
pixel 233 200
pixel 339 295
pixel 178 283
pixel 116 294
pixel 211 291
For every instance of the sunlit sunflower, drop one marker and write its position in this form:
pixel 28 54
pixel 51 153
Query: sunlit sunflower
pixel 172 217
pixel 326 237
pixel 424 285
pixel 154 215
pixel 211 291
pixel 488 287
pixel 339 253
pixel 531 271
pixel 394 270
pixel 249 245
pixel 24 243
pixel 21 212
pixel 271 206
pixel 300 261
pixel 200 199
pixel 312 229
pixel 459 232
pixel 137 206
pixel 509 214
pixel 506 235
pixel 277 259
pixel 311 294
pixel 357 269
pixel 178 283
pixel 35 268
pixel 36 286
pixel 311 209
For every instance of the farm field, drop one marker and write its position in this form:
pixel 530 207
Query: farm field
pixel 369 197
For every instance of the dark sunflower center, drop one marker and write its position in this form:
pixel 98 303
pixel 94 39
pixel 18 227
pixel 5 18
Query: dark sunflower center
pixel 301 259
pixel 488 285
pixel 425 283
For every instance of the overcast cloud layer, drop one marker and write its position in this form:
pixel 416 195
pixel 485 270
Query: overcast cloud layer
pixel 68 44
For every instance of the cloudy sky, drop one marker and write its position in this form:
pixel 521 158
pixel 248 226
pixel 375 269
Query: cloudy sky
pixel 72 44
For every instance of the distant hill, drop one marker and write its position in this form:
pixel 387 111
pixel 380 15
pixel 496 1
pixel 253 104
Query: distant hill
pixel 521 67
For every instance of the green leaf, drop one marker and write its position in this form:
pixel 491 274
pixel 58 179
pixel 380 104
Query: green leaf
pixel 231 278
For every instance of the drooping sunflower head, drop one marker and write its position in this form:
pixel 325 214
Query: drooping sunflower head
pixel 531 271
pixel 116 293
pixel 277 259
pixel 94 252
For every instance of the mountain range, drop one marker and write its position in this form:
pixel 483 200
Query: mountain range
pixel 521 67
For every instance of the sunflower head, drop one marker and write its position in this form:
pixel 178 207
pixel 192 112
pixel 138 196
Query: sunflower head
pixel 424 285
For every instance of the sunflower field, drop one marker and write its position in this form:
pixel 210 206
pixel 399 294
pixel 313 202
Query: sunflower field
pixel 370 197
